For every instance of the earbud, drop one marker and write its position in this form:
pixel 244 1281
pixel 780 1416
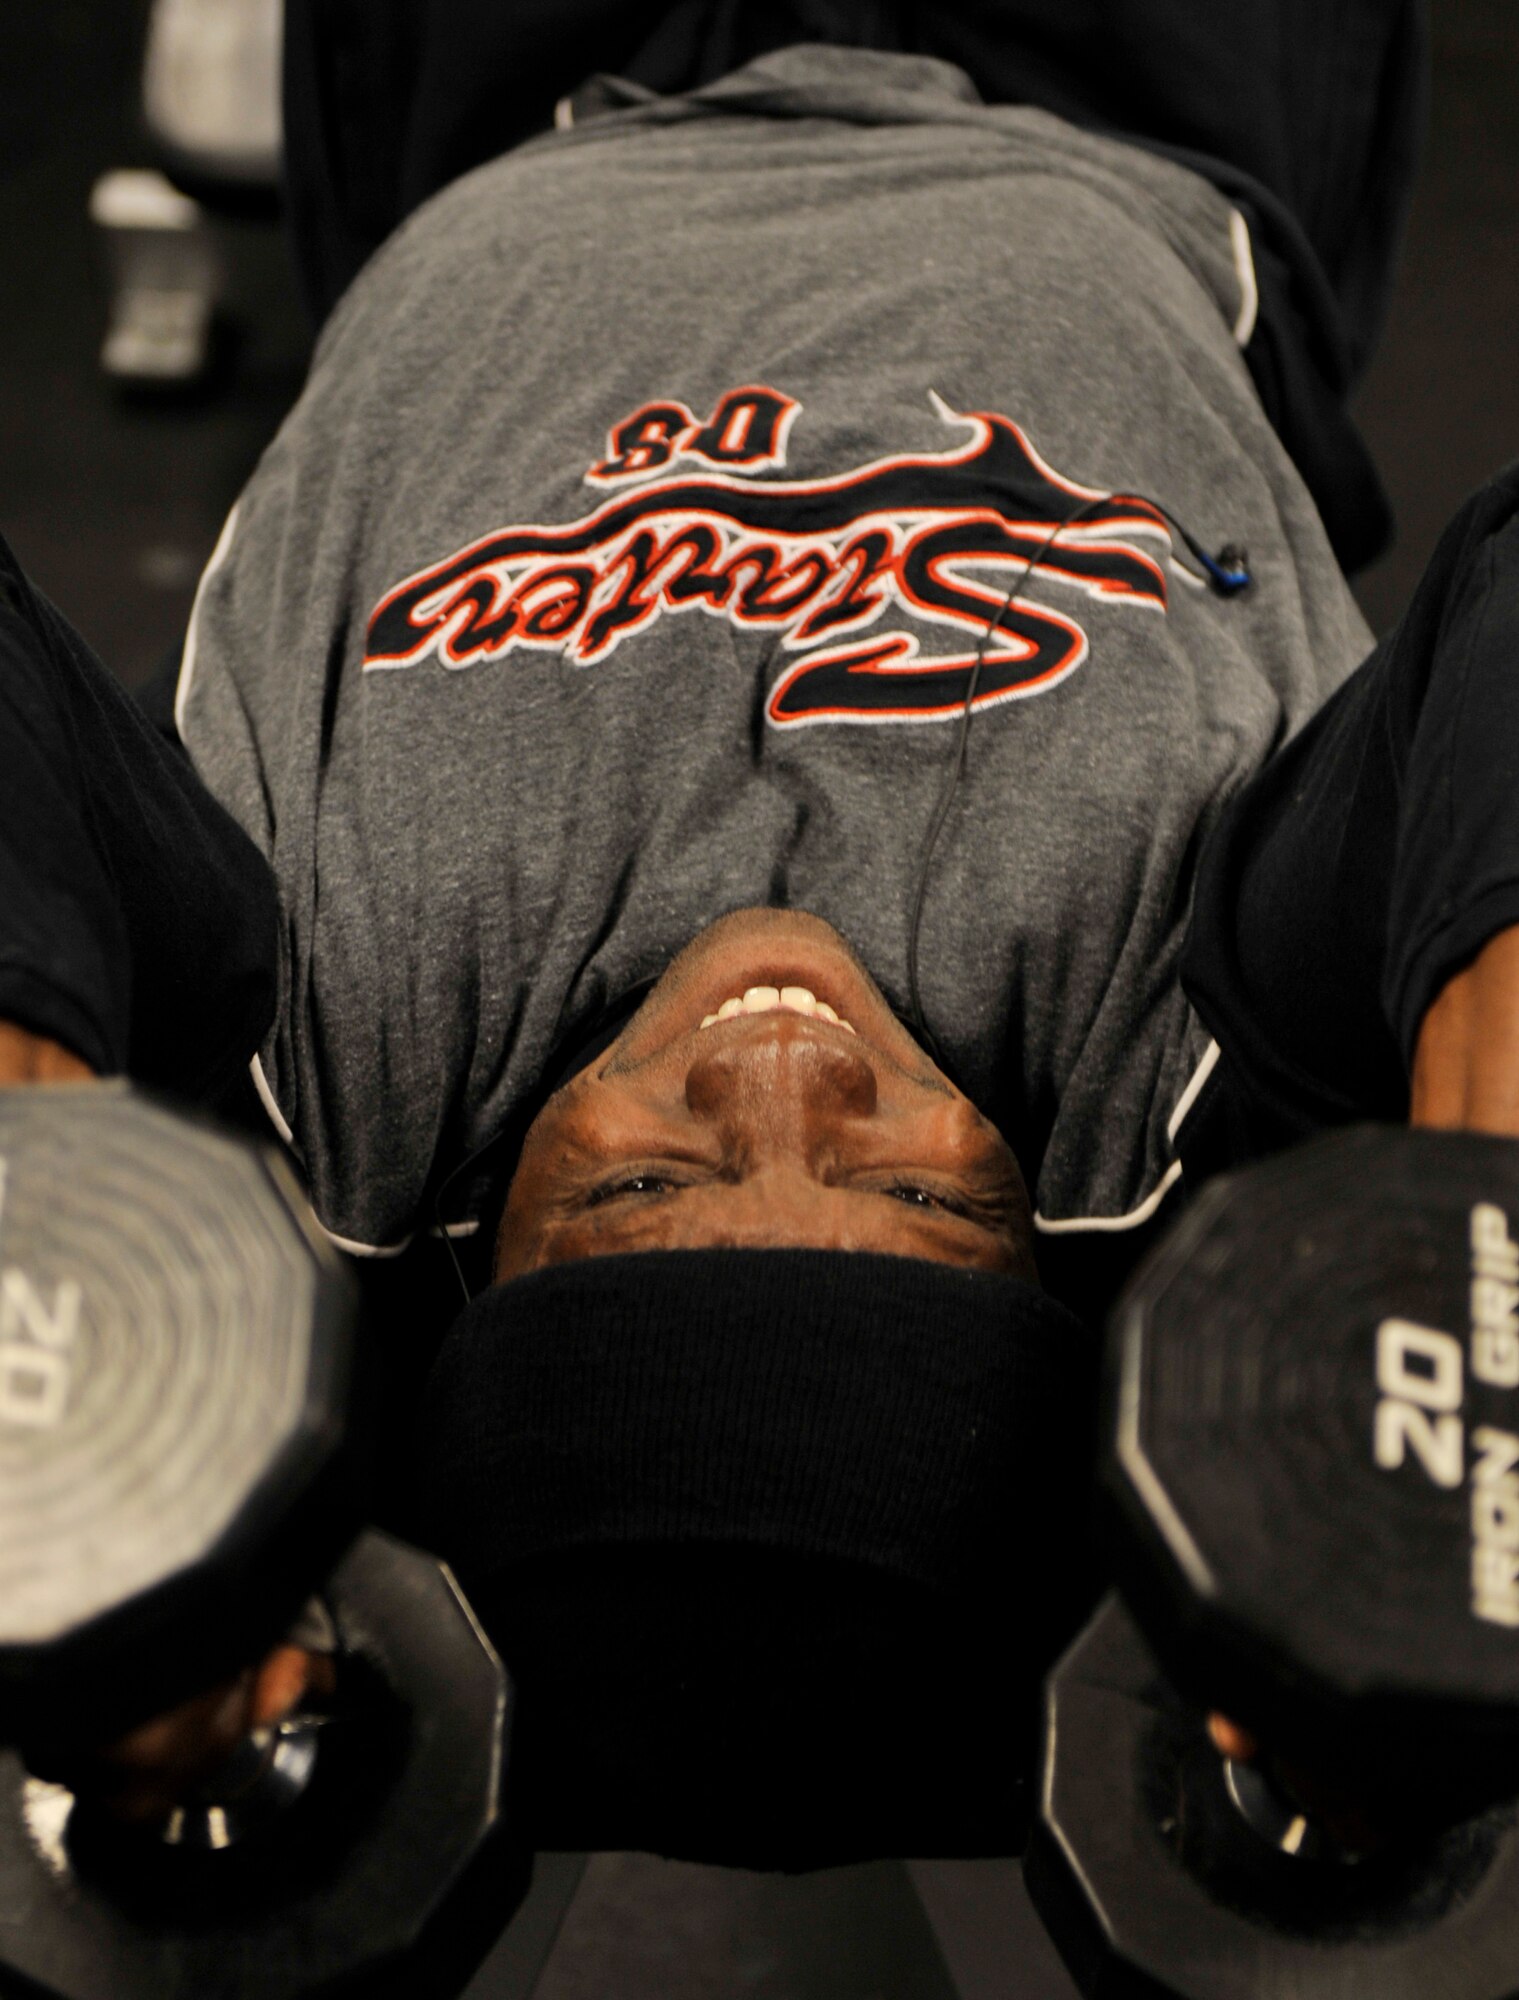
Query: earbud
pixel 1229 570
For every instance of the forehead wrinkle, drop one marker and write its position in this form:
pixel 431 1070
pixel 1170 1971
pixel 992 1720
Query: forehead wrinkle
pixel 664 1223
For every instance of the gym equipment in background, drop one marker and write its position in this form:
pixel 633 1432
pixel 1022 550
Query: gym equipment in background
pixel 211 111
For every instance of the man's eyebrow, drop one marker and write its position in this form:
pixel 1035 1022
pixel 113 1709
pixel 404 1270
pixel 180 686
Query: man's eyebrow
pixel 580 1151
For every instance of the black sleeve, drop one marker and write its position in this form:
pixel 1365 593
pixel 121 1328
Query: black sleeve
pixel 1370 860
pixel 138 923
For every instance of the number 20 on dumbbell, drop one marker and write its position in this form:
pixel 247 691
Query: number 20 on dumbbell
pixel 1312 1474
pixel 1420 1379
pixel 37 1338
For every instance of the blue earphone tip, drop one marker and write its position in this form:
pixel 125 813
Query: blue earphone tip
pixel 1229 570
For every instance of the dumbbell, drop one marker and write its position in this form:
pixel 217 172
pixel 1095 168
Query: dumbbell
pixel 1312 1477
pixel 177 1476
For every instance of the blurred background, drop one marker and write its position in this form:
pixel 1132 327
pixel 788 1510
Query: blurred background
pixel 114 502
pixel 114 499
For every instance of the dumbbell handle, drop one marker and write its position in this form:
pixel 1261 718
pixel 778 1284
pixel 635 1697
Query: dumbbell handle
pixel 270 1768
pixel 265 1775
pixel 138 1783
pixel 1274 1815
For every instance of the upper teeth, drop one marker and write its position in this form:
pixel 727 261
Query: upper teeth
pixel 767 999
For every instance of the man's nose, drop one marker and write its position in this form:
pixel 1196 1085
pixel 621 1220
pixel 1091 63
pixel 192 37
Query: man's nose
pixel 779 1078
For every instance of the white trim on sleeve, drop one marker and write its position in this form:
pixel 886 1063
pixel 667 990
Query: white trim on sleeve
pixel 1249 291
pixel 278 1121
pixel 363 1249
pixel 192 632
pixel 275 1116
pixel 1192 1092
pixel 1070 1225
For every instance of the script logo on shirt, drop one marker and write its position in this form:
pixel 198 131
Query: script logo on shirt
pixel 892 583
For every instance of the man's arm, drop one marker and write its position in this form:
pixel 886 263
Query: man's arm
pixel 138 923
pixel 29 1058
pixel 1466 1063
pixel 1352 901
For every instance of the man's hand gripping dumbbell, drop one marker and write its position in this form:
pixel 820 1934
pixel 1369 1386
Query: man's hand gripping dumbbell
pixel 207 1798
pixel 1313 1466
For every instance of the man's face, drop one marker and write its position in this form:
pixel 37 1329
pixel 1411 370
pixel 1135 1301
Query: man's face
pixel 769 1127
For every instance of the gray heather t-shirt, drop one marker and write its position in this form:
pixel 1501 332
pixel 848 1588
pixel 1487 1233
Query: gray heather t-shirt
pixel 624 562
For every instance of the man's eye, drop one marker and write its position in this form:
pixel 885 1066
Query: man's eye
pixel 924 1197
pixel 629 1184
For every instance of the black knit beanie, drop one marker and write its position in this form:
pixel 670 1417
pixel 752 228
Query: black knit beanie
pixel 776 1544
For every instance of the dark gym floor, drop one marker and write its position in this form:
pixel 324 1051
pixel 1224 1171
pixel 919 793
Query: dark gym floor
pixel 114 506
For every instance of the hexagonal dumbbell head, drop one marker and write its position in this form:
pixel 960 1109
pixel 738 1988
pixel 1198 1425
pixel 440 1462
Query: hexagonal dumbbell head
pixel 1314 1404
pixel 1154 1884
pixel 175 1353
pixel 390 1875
